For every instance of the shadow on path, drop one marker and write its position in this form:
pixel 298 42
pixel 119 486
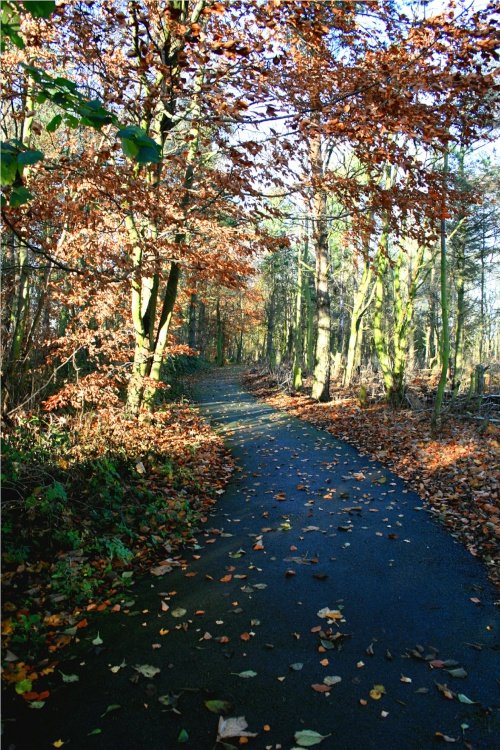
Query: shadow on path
pixel 306 523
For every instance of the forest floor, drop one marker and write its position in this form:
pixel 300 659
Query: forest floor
pixel 456 472
pixel 318 605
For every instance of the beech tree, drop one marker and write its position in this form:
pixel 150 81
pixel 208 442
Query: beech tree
pixel 153 168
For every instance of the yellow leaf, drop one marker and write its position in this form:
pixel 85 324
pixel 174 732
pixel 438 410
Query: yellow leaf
pixel 58 743
pixel 375 695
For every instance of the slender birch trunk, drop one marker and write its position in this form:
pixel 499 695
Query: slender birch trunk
pixel 321 375
pixel 445 334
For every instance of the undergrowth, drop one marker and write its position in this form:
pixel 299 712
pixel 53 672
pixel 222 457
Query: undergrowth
pixel 88 501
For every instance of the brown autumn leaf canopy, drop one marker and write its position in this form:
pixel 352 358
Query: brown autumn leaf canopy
pixel 234 94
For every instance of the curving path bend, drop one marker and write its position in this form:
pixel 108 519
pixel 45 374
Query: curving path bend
pixel 306 523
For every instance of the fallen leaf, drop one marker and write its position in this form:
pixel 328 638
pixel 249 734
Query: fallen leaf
pixel 58 743
pixel 69 677
pixel 183 737
pixel 445 690
pixel 110 708
pixel 97 640
pixel 445 737
pixel 460 673
pixel 330 614
pixel 248 673
pixel 463 699
pixel 218 707
pixel 320 687
pixel 308 737
pixel 147 670
pixel 297 666
pixel 332 680
pixel 233 727
pixel 178 612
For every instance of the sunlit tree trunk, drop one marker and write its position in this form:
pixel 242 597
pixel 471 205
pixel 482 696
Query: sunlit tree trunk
pixel 458 349
pixel 360 306
pixel 193 304
pixel 379 335
pixel 321 374
pixel 220 336
pixel 445 333
pixel 298 352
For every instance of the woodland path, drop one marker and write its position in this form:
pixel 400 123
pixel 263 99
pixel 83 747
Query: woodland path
pixel 398 578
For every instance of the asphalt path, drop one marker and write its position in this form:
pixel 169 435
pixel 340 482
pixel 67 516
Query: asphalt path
pixel 406 656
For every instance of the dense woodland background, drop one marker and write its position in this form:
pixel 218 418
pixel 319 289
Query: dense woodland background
pixel 310 187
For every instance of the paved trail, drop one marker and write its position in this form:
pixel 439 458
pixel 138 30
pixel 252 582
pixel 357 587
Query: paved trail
pixel 357 542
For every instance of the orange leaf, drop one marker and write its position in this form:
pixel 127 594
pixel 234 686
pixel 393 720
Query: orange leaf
pixel 320 688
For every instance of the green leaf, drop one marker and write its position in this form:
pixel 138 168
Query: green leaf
pixel 9 167
pixel 69 677
pixel 19 196
pixel 10 31
pixel 94 731
pixel 23 686
pixel 463 699
pixel 129 148
pixel 248 673
pixel 36 704
pixel 97 641
pixel 65 83
pixel 218 707
pixel 71 121
pixel 110 708
pixel 308 737
pixel 459 672
pixel 148 154
pixel 10 27
pixel 54 124
pixel 93 113
pixel 147 670
pixel 136 144
pixel 132 132
pixel 183 736
pixel 30 157
pixel 40 8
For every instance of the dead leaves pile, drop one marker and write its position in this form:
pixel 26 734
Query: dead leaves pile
pixel 456 473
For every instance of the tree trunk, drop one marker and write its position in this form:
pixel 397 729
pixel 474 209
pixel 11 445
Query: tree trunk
pixel 445 334
pixel 458 350
pixel 321 376
pixel 220 336
pixel 193 304
pixel 298 339
pixel 379 336
pixel 356 328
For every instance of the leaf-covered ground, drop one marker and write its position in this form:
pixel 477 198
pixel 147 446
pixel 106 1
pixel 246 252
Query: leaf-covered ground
pixel 319 606
pixel 456 472
pixel 86 507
